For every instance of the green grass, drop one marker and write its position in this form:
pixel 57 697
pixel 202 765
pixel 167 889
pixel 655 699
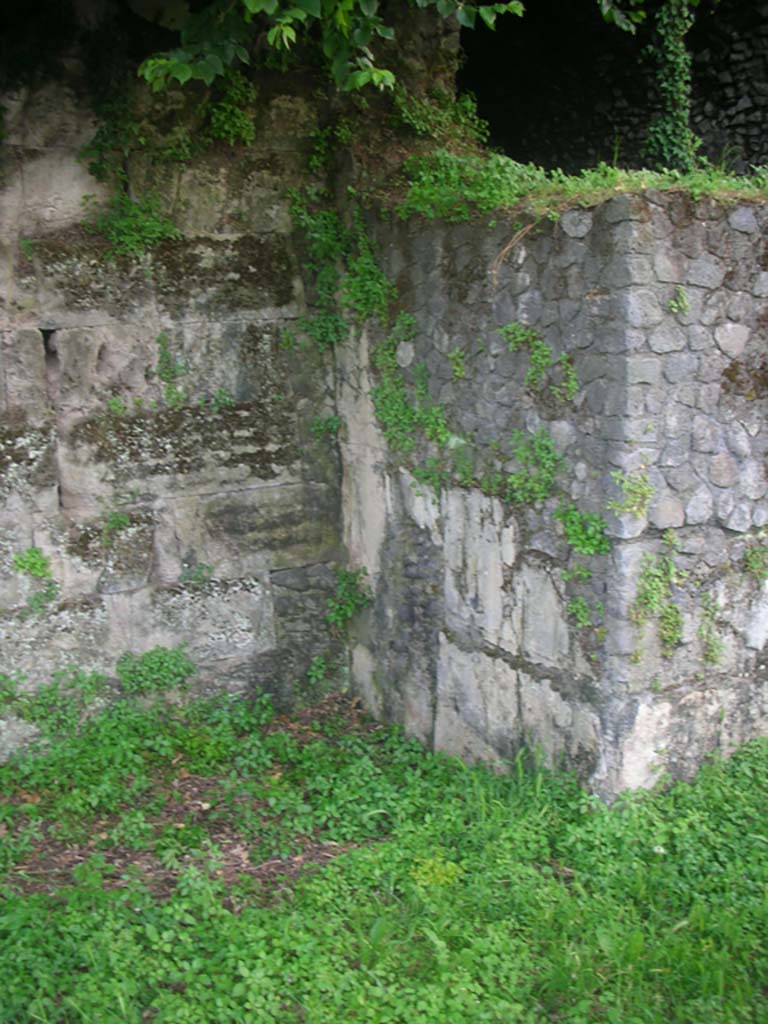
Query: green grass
pixel 456 186
pixel 454 894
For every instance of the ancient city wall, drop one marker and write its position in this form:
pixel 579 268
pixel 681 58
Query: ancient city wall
pixel 155 440
pixel 157 447
pixel 478 639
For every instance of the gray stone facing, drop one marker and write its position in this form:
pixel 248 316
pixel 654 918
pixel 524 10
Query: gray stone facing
pixel 732 338
pixel 472 641
pixel 652 401
pixel 217 498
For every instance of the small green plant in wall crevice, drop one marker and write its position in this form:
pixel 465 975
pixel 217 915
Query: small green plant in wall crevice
pixel 539 465
pixel 326 427
pixel 219 401
pixel 458 364
pixel 115 521
pixel 353 594
pixel 584 531
pixel 196 575
pixel 33 563
pixel 583 613
pixel 520 337
pixel 558 375
pixel 131 227
pixel 756 561
pixel 679 303
pixel 653 600
pixel 712 644
pixel 116 406
pixel 637 493
pixel 169 371
pixel 578 572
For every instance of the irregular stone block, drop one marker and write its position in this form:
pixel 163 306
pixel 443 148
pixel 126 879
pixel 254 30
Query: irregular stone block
pixel 668 338
pixel 743 219
pixel 641 308
pixel 724 470
pixel 544 631
pixel 478 546
pixel 707 435
pixel 66 634
pixel 699 507
pixel 557 726
pixel 576 223
pixel 706 272
pixel 666 512
pixel 732 338
pixel 476 714
pixel 643 370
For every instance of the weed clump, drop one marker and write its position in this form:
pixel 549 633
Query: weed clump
pixel 155 671
pixel 216 863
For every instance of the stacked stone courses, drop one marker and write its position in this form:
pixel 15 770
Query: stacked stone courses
pixel 661 302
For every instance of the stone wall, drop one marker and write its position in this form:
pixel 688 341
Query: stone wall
pixel 156 445
pixel 662 305
pixel 204 514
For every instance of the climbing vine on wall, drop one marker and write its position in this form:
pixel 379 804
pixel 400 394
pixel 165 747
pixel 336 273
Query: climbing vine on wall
pixel 671 142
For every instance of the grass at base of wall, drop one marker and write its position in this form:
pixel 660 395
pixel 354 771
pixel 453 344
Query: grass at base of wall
pixel 217 863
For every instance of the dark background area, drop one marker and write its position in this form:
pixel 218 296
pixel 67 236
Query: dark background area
pixel 561 88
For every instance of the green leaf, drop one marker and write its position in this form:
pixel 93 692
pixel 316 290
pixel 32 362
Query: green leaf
pixel 208 69
pixel 261 6
pixel 369 7
pixel 181 72
pixel 314 8
pixel 466 16
pixel 488 14
pixel 361 36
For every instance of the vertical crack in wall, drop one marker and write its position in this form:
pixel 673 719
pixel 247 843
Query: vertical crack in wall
pixel 53 393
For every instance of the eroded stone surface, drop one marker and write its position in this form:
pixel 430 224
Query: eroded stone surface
pixel 154 395
pixel 467 618
pixel 155 440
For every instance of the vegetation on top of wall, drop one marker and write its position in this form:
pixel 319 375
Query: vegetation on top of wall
pixel 458 186
pixel 351 34
pixel 444 119
pixel 218 35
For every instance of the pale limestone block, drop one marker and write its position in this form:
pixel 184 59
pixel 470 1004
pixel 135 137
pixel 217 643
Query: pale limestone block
pixel 555 726
pixel 544 631
pixel 478 546
pixel 422 505
pixel 476 711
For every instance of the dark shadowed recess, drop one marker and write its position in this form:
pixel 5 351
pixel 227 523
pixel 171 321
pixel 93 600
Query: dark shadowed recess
pixel 561 88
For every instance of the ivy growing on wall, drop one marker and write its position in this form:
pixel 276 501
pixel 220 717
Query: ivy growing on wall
pixel 671 142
